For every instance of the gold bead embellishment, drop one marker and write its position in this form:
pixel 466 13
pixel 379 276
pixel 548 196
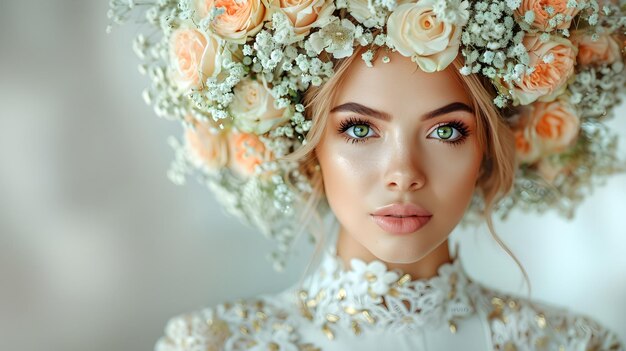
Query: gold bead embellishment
pixel 256 325
pixel 452 327
pixel 244 330
pixel 451 293
pixel 272 346
pixel 350 310
pixel 509 346
pixel 261 315
pixel 356 329
pixel 541 320
pixel 513 305
pixel 303 295
pixel 393 292
pixel 403 280
pixel 371 277
pixel 368 316
pixel 329 333
pixel 332 318
pixel 341 294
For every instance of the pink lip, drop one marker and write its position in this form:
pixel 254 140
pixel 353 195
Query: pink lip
pixel 401 218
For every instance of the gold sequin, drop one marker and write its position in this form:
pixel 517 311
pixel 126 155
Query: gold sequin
pixel 329 334
pixel 272 346
pixel 452 327
pixel 261 315
pixel 332 318
pixel 244 330
pixel 513 305
pixel 311 303
pixel 256 325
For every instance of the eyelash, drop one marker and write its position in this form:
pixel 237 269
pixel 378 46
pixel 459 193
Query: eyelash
pixel 352 121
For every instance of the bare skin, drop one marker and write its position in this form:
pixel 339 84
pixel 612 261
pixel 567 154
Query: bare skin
pixel 423 151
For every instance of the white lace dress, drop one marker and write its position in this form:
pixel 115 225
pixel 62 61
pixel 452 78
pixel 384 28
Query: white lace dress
pixel 371 308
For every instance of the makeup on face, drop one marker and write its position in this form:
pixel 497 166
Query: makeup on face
pixel 399 159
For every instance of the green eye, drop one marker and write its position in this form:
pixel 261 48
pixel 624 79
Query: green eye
pixel 360 130
pixel 445 132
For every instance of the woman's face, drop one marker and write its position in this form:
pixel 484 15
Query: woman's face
pixel 399 158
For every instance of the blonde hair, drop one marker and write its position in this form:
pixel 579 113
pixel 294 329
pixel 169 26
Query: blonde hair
pixel 494 137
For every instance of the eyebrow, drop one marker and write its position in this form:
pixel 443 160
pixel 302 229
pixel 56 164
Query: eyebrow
pixel 364 110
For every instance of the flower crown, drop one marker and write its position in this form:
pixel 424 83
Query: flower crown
pixel 234 72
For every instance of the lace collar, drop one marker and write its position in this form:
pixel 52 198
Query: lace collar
pixel 368 296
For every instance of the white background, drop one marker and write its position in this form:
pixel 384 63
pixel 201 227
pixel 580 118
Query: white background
pixel 98 249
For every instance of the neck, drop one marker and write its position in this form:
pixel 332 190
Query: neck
pixel 426 267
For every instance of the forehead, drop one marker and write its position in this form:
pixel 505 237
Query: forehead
pixel 399 86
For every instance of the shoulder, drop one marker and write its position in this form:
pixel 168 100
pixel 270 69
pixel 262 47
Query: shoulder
pixel 519 323
pixel 264 322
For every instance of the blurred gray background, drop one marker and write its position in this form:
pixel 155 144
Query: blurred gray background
pixel 98 248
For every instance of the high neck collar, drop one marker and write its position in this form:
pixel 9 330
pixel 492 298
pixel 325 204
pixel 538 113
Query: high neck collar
pixel 369 295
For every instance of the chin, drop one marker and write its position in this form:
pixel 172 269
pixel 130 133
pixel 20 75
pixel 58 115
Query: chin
pixel 398 254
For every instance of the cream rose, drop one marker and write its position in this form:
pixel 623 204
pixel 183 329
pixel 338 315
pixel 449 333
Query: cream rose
pixel 305 14
pixel 542 17
pixel 414 30
pixel 253 107
pixel 194 57
pixel 606 49
pixel 549 79
pixel 207 146
pixel 247 151
pixel 550 127
pixel 240 20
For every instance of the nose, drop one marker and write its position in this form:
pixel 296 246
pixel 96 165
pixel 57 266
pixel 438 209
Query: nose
pixel 404 171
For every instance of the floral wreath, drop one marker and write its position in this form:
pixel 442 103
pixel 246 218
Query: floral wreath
pixel 234 72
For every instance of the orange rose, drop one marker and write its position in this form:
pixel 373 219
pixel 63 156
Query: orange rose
pixel 247 152
pixel 549 128
pixel 606 49
pixel 542 17
pixel 194 56
pixel 549 79
pixel 241 19
pixel 305 14
pixel 207 146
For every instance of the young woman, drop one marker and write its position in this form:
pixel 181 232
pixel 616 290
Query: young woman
pixel 384 117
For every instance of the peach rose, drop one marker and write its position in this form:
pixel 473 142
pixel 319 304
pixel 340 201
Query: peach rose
pixel 241 19
pixel 606 49
pixel 194 57
pixel 305 14
pixel 525 151
pixel 253 107
pixel 414 30
pixel 542 17
pixel 207 146
pixel 247 152
pixel 551 127
pixel 549 79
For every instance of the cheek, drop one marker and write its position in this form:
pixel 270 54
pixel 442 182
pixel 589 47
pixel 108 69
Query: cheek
pixel 348 173
pixel 452 174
